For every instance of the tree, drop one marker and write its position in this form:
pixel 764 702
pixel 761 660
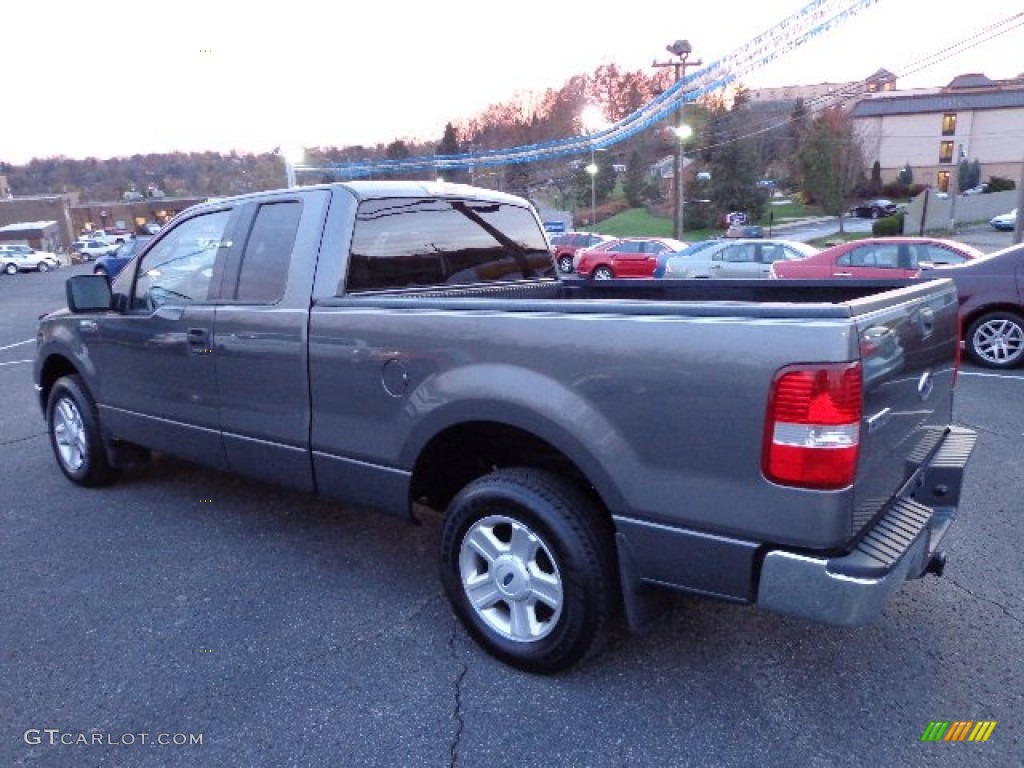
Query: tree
pixel 906 175
pixel 875 185
pixel 449 146
pixel 831 161
pixel 968 174
pixel 635 182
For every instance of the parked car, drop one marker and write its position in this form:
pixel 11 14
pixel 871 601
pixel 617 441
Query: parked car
pixel 737 259
pixel 874 209
pixel 89 250
pixel 745 231
pixel 626 257
pixel 659 270
pixel 878 257
pixel 991 294
pixel 1005 222
pixel 566 245
pixel 25 258
pixel 978 190
pixel 112 263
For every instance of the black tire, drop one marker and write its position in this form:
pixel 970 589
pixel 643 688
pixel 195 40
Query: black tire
pixel 11 269
pixel 565 263
pixel 74 427
pixel 996 340
pixel 602 273
pixel 552 607
pixel 42 266
pixel 100 271
pixel 875 213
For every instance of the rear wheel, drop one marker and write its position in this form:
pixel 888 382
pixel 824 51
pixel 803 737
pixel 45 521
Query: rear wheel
pixel 74 428
pixel 565 264
pixel 603 273
pixel 996 340
pixel 875 213
pixel 527 562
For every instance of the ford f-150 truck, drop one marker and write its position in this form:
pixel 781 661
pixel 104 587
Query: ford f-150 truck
pixel 404 345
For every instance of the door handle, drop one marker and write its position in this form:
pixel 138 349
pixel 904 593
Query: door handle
pixel 842 274
pixel 199 341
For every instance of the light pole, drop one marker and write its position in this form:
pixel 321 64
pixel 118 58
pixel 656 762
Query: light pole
pixel 682 49
pixel 593 120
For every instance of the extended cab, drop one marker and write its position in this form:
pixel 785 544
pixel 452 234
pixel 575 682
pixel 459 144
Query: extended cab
pixel 589 445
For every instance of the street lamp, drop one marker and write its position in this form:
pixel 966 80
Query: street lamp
pixel 682 50
pixel 593 120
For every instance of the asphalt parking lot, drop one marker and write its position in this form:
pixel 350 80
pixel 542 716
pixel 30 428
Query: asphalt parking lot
pixel 282 630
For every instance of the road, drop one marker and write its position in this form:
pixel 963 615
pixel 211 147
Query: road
pixel 289 631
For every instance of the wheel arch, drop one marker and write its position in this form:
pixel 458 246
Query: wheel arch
pixel 55 366
pixel 975 312
pixel 458 451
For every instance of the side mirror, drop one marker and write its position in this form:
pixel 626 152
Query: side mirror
pixel 88 293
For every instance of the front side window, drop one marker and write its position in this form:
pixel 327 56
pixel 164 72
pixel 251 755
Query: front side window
pixel 737 254
pixel 398 243
pixel 179 269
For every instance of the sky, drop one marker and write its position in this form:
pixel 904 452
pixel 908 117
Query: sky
pixel 114 77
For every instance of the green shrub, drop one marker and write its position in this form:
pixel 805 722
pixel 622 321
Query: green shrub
pixel 1000 184
pixel 890 226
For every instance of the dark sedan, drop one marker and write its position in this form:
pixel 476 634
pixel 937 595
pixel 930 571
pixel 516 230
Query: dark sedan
pixel 874 209
pixel 991 292
pixel 113 263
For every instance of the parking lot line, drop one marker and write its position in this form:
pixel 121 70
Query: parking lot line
pixel 16 362
pixel 18 344
pixel 991 375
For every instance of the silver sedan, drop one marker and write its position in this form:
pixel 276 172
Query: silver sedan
pixel 737 259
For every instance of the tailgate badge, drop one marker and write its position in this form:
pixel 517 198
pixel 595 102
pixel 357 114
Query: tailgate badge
pixel 925 385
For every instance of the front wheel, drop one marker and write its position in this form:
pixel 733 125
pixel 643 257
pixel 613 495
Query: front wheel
pixel 603 273
pixel 528 565
pixel 996 340
pixel 42 266
pixel 74 428
pixel 11 269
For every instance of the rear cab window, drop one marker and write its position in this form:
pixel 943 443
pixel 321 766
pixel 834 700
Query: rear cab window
pixel 404 243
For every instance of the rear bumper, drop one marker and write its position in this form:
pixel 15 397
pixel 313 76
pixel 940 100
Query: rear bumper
pixel 853 589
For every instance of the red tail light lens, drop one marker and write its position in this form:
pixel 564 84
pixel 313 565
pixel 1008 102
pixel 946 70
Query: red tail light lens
pixel 812 428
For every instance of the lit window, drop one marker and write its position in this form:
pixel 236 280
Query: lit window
pixel 949 124
pixel 942 181
pixel 946 152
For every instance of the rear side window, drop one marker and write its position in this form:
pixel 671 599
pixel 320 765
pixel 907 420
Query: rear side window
pixel 268 251
pixel 399 243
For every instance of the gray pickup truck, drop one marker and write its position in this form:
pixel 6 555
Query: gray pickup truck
pixel 404 345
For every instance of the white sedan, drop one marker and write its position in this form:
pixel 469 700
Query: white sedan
pixel 738 259
pixel 24 258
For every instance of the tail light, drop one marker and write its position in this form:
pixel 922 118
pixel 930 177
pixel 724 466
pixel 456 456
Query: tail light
pixel 812 428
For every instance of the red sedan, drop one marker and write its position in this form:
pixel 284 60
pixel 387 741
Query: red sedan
pixel 628 257
pixel 877 258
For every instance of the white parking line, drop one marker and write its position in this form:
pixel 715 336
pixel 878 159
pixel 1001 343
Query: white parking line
pixel 991 375
pixel 16 362
pixel 19 344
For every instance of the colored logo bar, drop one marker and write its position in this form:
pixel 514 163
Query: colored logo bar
pixel 958 730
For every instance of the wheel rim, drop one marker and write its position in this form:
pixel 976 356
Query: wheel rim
pixel 510 579
pixel 11 269
pixel 566 264
pixel 69 434
pixel 44 267
pixel 602 274
pixel 999 341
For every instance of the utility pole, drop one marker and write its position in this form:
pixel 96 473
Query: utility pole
pixel 681 49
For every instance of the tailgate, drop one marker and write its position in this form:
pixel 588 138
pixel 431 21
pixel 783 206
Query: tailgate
pixel 909 351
